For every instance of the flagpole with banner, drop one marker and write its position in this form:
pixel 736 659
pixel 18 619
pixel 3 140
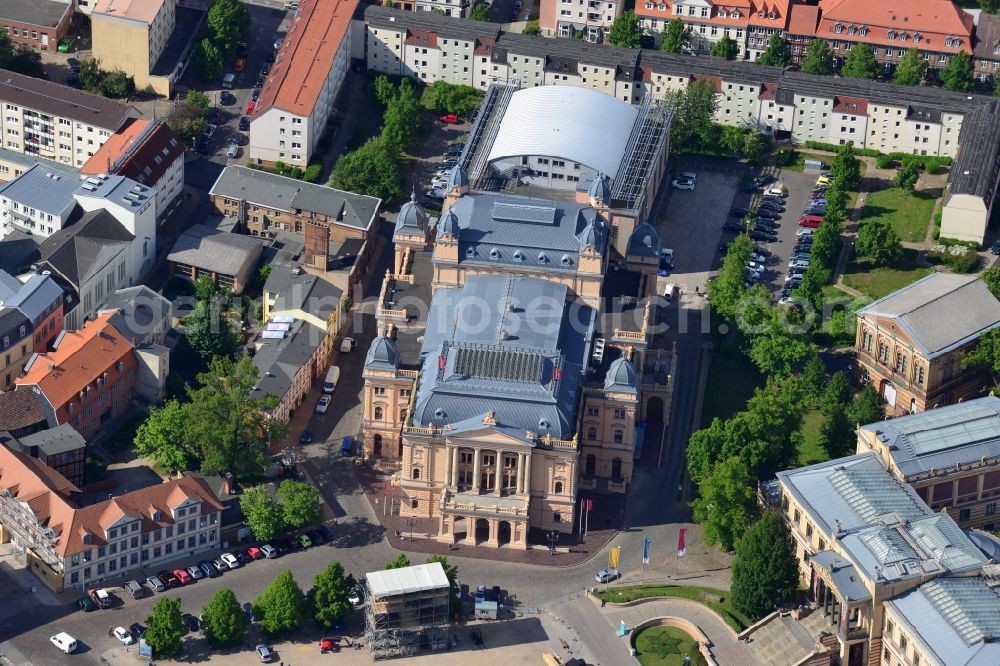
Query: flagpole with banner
pixel 646 544
pixel 681 548
pixel 613 556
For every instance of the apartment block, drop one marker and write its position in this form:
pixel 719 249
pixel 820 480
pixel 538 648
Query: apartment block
pixel 40 201
pixel 709 21
pixel 40 24
pixel 302 87
pixel 130 35
pixel 70 547
pixel 591 19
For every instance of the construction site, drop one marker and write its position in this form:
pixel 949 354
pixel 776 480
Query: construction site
pixel 406 609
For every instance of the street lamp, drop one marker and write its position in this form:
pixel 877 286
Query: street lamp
pixel 553 538
pixel 409 523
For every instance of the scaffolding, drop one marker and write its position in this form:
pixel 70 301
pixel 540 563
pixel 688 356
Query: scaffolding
pixel 645 145
pixel 406 609
pixel 483 135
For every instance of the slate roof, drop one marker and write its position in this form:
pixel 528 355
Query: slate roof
pixel 505 344
pixel 34 297
pixel 304 292
pixel 85 245
pixel 45 187
pixel 286 194
pixel 216 251
pixel 548 235
pixel 135 311
pixel 61 439
pixel 987 36
pixel 940 312
pixel 18 250
pixel 278 361
pixel 63 101
pixel 942 438
pixel 43 13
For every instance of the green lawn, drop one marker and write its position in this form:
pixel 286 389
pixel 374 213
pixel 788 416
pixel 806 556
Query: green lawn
pixel 909 214
pixel 732 379
pixel 877 281
pixel 802 156
pixel 809 449
pixel 666 646
pixel 717 600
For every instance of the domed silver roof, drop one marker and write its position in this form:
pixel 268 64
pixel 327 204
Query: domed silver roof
pixel 621 377
pixel 412 217
pixel 600 188
pixel 644 241
pixel 382 354
pixel 448 224
pixel 457 178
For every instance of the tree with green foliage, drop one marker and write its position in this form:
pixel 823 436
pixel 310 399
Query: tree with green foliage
pixel 836 433
pixel 725 503
pixel 372 169
pixel 911 68
pixel 819 59
pixel 205 288
pixel 846 170
pixel 776 54
pixel 281 606
pixel 117 85
pixel 198 100
pixel 814 376
pixel 991 276
pixel 996 88
pixel 727 290
pixel 385 89
pixel 532 29
pixel 400 562
pixel 455 98
pixel 401 119
pixel 878 242
pixel 301 505
pixel 676 36
pixel 625 31
pixel 986 353
pixel 860 63
pixel 186 122
pixel 867 407
pixel 958 74
pixel 208 60
pixel 223 622
pixel 228 22
pixel 480 12
pixel 451 572
pixel 163 437
pixel 20 58
pixel 754 145
pixel 694 108
pixel 209 332
pixel 90 75
pixel 726 48
pixel 331 595
pixel 765 572
pixel 262 513
pixel 776 351
pixel 233 424
pixel 907 175
pixel 837 392
pixel 165 627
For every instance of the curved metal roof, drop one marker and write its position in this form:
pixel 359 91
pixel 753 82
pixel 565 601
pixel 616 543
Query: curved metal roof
pixel 560 121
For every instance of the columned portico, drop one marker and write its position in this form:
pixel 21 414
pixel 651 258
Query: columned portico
pixel 477 453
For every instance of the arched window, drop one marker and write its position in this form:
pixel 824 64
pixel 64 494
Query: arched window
pixel 559 487
pixel 378 413
pixel 619 436
pixel 416 473
pixel 616 468
pixel 591 433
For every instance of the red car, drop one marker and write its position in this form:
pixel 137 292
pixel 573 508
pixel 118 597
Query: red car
pixel 255 552
pixel 250 106
pixel 449 119
pixel 183 577
pixel 810 221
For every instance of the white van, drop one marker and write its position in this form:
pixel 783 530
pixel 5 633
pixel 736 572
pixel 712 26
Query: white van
pixel 671 291
pixel 332 377
pixel 64 642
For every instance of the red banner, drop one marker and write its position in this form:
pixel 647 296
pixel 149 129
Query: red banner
pixel 681 547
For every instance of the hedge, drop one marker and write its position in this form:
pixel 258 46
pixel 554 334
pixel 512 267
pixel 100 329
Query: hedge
pixel 929 163
pixel 956 256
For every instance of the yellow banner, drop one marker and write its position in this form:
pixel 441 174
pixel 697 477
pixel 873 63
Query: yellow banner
pixel 613 557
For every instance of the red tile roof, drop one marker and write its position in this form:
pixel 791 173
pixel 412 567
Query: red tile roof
pixel 855 106
pixel 768 91
pixel 803 20
pixel 484 47
pixel 299 75
pixel 140 145
pixel 761 12
pixel 716 80
pixel 665 9
pixel 46 492
pixel 20 409
pixel 77 360
pixel 425 38
pixel 933 20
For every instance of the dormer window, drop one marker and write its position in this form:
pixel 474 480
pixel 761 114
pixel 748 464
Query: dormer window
pixel 495 254
pixel 864 30
pixel 566 261
pixel 155 516
pixel 542 259
pixel 772 15
pixel 735 14
pixel 87 539
pixel 518 256
pixel 917 37
pixel 838 28
pixel 470 252
pixel 892 34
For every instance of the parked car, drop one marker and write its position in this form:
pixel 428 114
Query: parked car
pixel 255 552
pixel 811 221
pixel 227 98
pixel 678 184
pixel 209 130
pixel 434 193
pixel 244 123
pixel 242 557
pixel 326 532
pixel 277 43
pixel 74 64
pixel 774 192
pixel 255 95
pixel 220 565
pixel 207 569
pixel 738 212
pixel 305 541
pixel 291 5
pixel 265 69
pixel 72 79
pixel 196 572
pixel 306 437
pixel 805 232
pixel 449 119
pixel 316 538
pixel 167 578
pixel 250 105
pixel 230 560
pixel 65 45
pixel 248 611
pixel 823 180
pixel 122 634
pixel 733 226
pixel 183 577
pixel 234 150
pixel 191 622
pixel 270 552
pixel 290 542
pixel 762 237
pixel 323 404
pixel 995 248
pixel 265 653
pixel 156 584
pixel 137 630
pixel 606 575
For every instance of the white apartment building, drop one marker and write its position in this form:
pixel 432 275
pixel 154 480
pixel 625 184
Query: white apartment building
pixel 456 8
pixel 54 121
pixel 39 201
pixel 134 207
pixel 565 18
pixel 302 87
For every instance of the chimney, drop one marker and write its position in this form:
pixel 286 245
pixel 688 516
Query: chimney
pixel 227 484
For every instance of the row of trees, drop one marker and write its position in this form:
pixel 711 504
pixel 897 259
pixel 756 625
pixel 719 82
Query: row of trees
pixel 374 167
pixel 20 58
pixel 693 128
pixel 297 505
pixel 186 119
pixel 226 25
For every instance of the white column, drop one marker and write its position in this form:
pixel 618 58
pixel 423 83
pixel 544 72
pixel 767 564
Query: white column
pixel 520 473
pixel 475 470
pixel 527 474
pixel 453 481
pixel 448 458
